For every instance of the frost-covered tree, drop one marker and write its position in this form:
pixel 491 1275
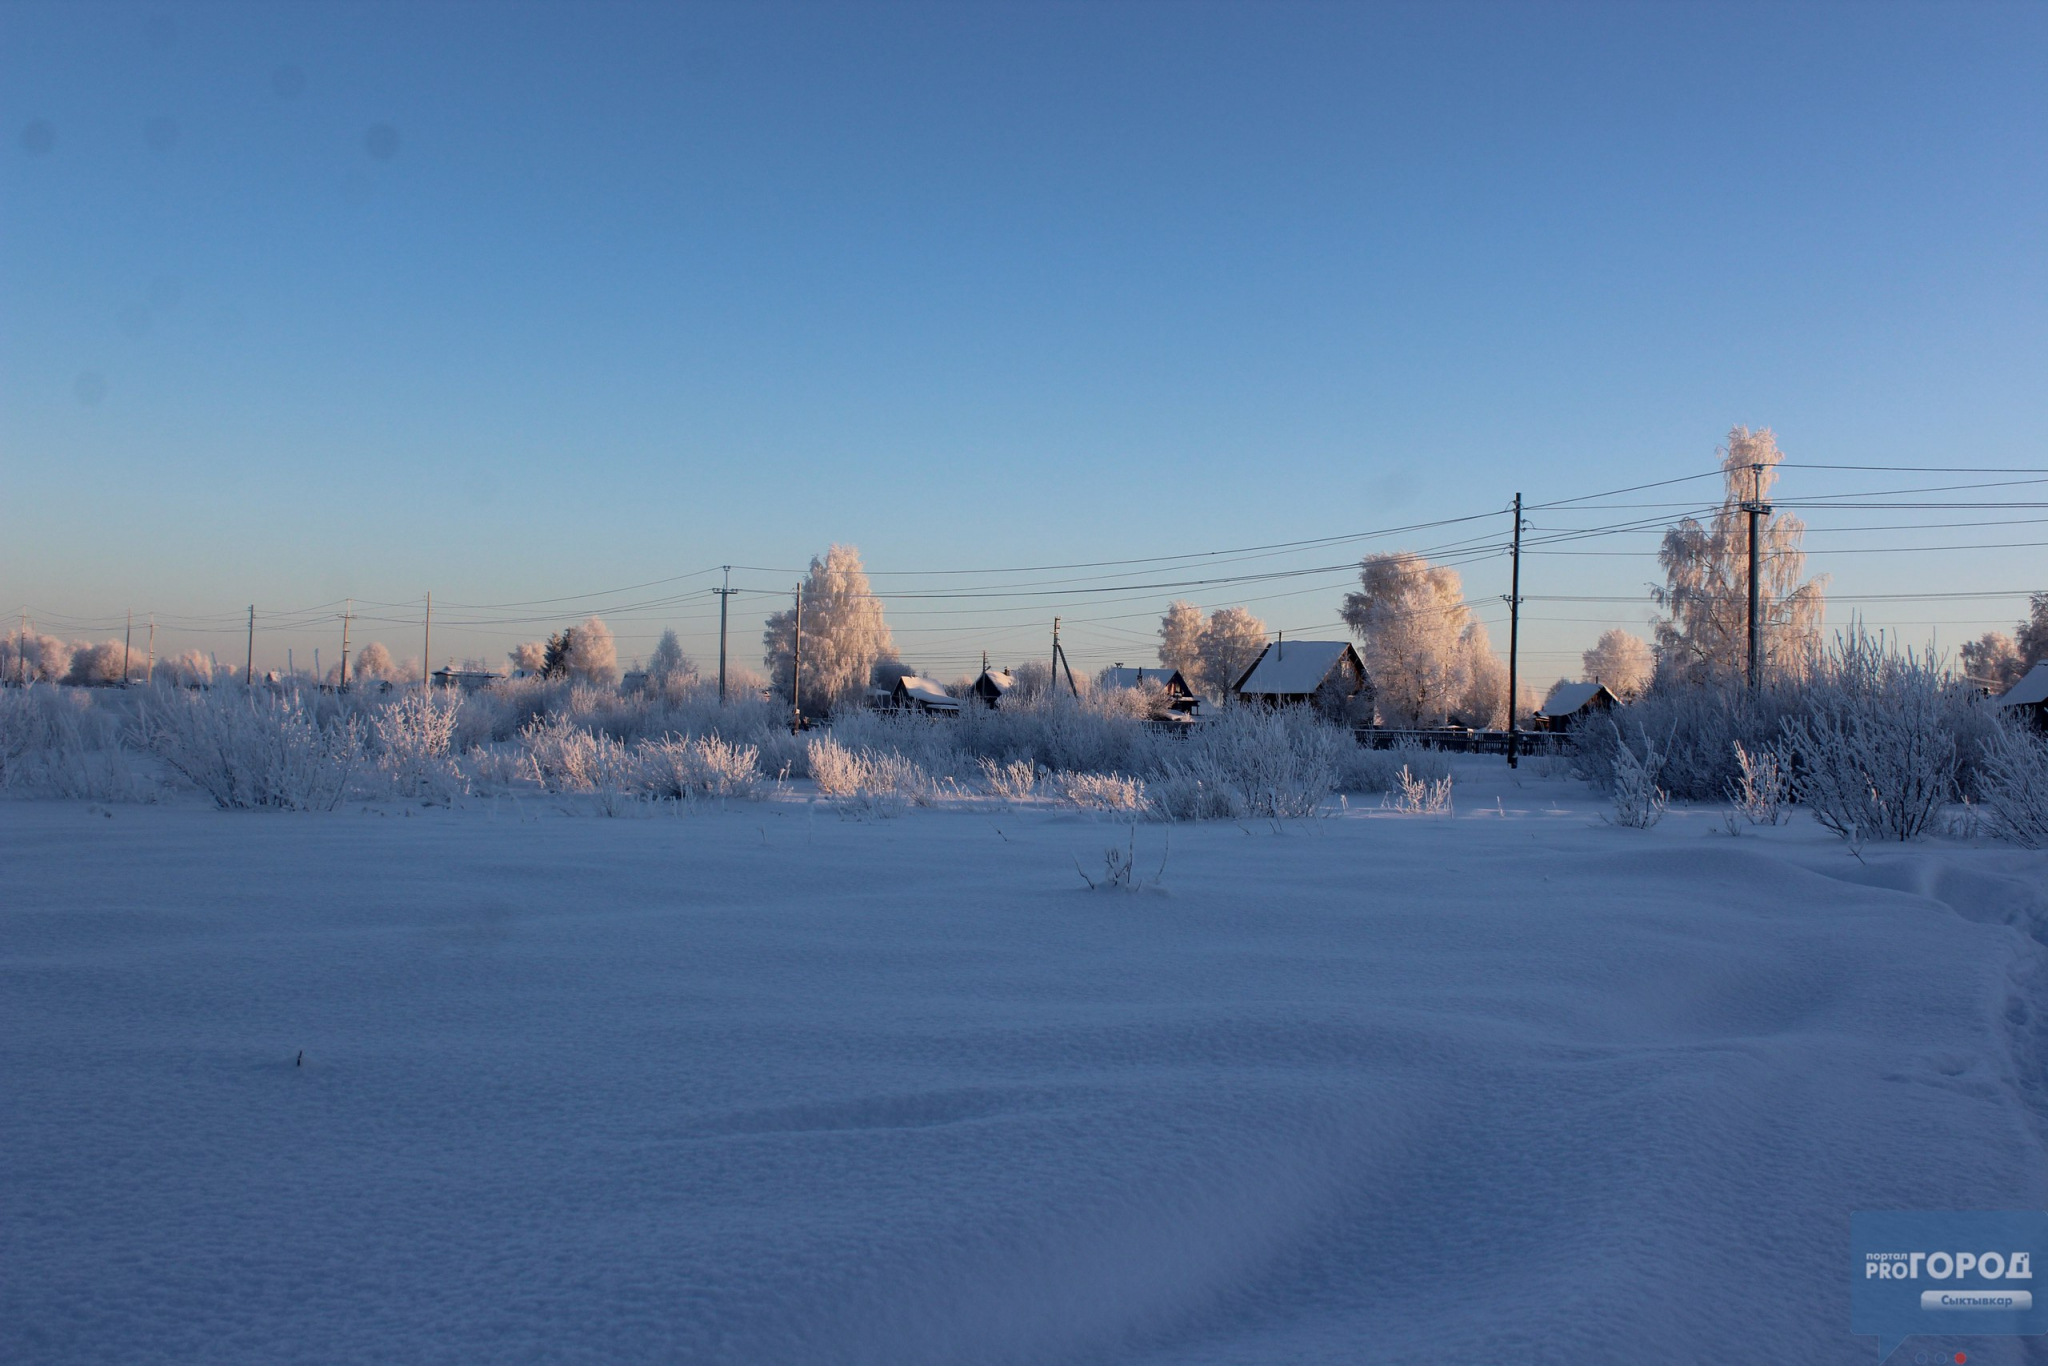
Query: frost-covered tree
pixel 190 669
pixel 1180 641
pixel 668 668
pixel 844 633
pixel 1993 661
pixel 95 663
pixel 590 655
pixel 530 657
pixel 1623 662
pixel 2031 636
pixel 27 656
pixel 374 662
pixel 1229 644
pixel 1705 636
pixel 1425 655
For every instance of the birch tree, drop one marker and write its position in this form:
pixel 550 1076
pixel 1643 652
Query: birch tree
pixel 844 633
pixel 1704 636
pixel 1624 663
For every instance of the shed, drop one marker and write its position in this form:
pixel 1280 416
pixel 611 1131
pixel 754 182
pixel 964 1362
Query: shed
pixel 1291 673
pixel 2029 696
pixel 1571 703
pixel 992 686
pixel 1179 696
pixel 468 680
pixel 912 693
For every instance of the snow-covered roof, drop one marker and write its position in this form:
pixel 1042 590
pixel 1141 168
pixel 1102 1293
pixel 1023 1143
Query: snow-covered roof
pixel 1567 698
pixel 1120 677
pixel 925 691
pixel 2030 691
pixel 1002 680
pixel 1293 667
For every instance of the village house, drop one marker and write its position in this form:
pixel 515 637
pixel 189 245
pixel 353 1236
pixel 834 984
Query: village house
pixel 912 693
pixel 1294 673
pixel 992 686
pixel 1176 695
pixel 2028 698
pixel 1569 704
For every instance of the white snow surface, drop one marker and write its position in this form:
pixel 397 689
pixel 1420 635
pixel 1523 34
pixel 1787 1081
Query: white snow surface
pixel 762 1085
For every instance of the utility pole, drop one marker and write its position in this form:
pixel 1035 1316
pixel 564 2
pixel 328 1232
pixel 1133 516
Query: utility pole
pixel 1514 627
pixel 127 635
pixel 1755 507
pixel 346 612
pixel 249 664
pixel 796 671
pixel 724 600
pixel 1059 662
pixel 427 648
pixel 21 652
pixel 149 669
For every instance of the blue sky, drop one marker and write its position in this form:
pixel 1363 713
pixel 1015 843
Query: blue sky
pixel 513 303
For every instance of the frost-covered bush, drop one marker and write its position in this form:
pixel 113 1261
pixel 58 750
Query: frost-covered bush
pixel 1015 781
pixel 1638 801
pixel 868 782
pixel 2012 785
pixel 55 743
pixel 1379 770
pixel 415 745
pixel 1417 795
pixel 1762 790
pixel 254 749
pixel 1280 763
pixel 678 769
pixel 1874 742
pixel 1700 726
pixel 560 755
pixel 1098 791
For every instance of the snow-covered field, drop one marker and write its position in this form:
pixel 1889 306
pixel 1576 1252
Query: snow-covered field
pixel 759 1084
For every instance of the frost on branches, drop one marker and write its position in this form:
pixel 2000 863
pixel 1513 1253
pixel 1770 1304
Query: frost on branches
pixel 1429 661
pixel 844 634
pixel 1705 636
pixel 1621 662
pixel 1213 654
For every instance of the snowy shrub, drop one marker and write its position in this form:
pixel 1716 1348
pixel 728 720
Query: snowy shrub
pixel 1011 782
pixel 2012 786
pixel 1279 763
pixel 1419 796
pixel 1181 796
pixel 1379 770
pixel 1701 726
pixel 1762 791
pixel 415 737
pixel 561 756
pixel 1120 868
pixel 867 782
pixel 253 749
pixel 613 771
pixel 488 772
pixel 1874 743
pixel 1097 791
pixel 55 743
pixel 1638 801
pixel 677 769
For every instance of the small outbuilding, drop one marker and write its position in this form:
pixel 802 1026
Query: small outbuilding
pixel 1293 673
pixel 993 686
pixel 912 693
pixel 2028 697
pixel 1569 704
pixel 468 680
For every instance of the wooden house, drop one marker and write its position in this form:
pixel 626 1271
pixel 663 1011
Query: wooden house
pixel 2028 698
pixel 1293 673
pixel 1570 704
pixel 912 693
pixel 992 686
pixel 1178 697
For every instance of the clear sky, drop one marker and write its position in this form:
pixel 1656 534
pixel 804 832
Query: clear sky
pixel 301 302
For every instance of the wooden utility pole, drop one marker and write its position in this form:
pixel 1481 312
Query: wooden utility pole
pixel 1514 628
pixel 21 651
pixel 127 635
pixel 724 600
pixel 796 670
pixel 347 612
pixel 1755 507
pixel 427 649
pixel 249 661
pixel 1059 662
pixel 149 669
